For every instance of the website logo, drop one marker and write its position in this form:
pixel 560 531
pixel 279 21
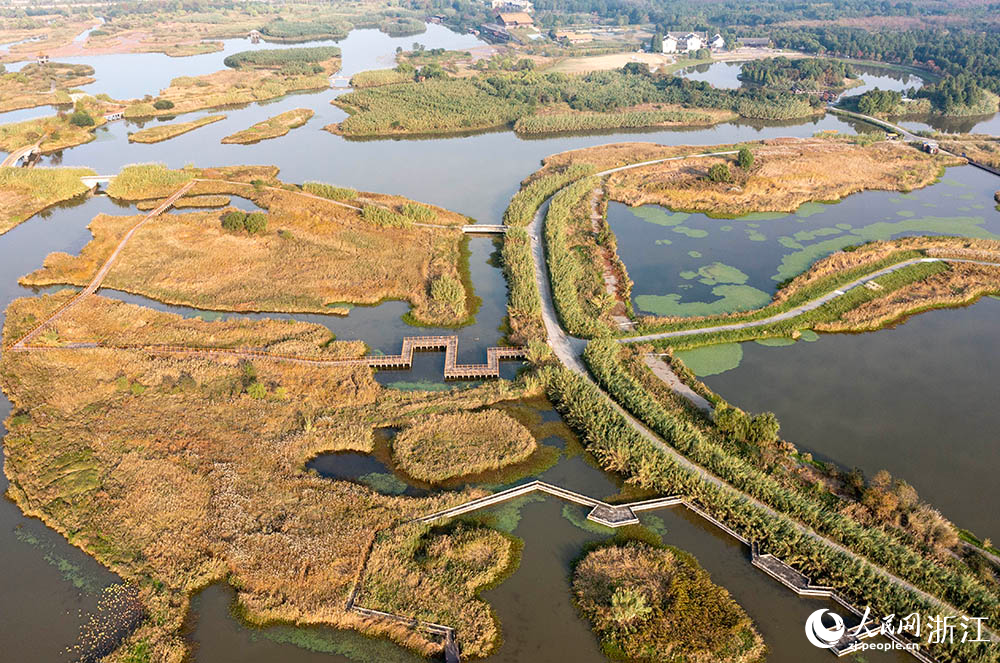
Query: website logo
pixel 821 636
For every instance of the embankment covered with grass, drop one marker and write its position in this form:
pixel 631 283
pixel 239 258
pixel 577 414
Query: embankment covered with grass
pixel 28 191
pixel 162 132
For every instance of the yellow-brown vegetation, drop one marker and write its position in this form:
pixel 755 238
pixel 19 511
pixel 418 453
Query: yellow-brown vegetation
pixel 279 125
pixel 451 445
pixel 185 202
pixel 786 173
pixel 435 576
pixel 314 253
pixel 656 604
pixel 230 87
pixel 42 84
pixel 180 471
pixel 28 191
pixel 162 132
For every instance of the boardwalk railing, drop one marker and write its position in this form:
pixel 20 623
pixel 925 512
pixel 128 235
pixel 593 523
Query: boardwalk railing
pixel 618 515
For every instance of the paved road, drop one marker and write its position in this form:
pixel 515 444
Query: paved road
pixel 569 349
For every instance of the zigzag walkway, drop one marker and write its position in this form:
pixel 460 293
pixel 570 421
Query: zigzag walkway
pixel 404 360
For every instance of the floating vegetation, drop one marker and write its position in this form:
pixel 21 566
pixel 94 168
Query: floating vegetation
pixel 731 298
pixel 577 515
pixel 778 342
pixel 71 572
pixel 349 644
pixel 660 215
pixel 712 359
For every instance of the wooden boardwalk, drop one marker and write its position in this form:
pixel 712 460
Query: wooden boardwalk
pixel 22 152
pixel 99 277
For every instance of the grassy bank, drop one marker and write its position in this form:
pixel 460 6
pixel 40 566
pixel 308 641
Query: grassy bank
pixel 279 125
pixel 28 191
pixel 164 132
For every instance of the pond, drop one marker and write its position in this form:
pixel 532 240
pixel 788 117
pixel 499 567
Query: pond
pixel 691 264
pixel 918 399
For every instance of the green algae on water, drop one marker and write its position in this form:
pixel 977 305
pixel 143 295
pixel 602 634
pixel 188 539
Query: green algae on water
pixel 731 298
pixel 777 342
pixel 660 216
pixel 712 359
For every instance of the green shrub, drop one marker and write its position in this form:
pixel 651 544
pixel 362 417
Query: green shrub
pixel 417 212
pixel 255 223
pixel 383 217
pixel 234 221
pixel 745 158
pixel 257 390
pixel 163 104
pixel 82 118
pixel 720 173
pixel 329 191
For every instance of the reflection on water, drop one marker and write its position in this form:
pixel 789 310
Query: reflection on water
pixel 918 400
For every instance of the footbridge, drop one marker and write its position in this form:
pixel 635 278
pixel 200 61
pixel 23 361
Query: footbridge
pixel 93 180
pixel 15 157
pixel 484 230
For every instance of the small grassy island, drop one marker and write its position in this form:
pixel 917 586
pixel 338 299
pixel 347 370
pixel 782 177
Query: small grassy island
pixel 657 604
pixel 279 125
pixel 429 101
pixel 41 84
pixel 163 132
pixel 310 253
pixel 28 191
pixel 250 77
pixel 448 446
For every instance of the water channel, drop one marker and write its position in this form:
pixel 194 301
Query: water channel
pixel 52 590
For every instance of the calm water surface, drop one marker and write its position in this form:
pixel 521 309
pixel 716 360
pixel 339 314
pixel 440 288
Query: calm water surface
pixel 918 400
pixel 54 587
pixel 691 264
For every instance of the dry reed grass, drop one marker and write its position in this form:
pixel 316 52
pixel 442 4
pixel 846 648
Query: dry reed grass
pixel 28 191
pixel 653 604
pixel 451 445
pixel 786 174
pixel 162 132
pixel 314 254
pixel 169 472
